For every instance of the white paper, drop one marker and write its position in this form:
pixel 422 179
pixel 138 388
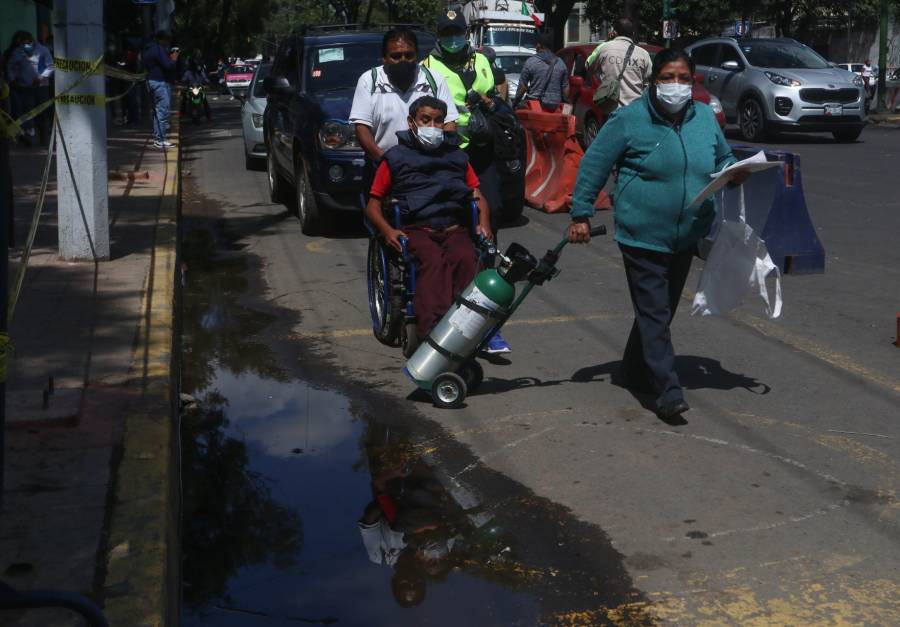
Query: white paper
pixel 327 55
pixel 468 321
pixel 756 163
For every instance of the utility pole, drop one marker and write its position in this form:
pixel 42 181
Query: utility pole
pixel 882 56
pixel 83 203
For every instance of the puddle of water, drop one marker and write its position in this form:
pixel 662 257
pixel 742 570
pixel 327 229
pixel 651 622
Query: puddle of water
pixel 296 509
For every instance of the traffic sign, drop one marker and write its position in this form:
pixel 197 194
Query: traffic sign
pixel 742 28
pixel 670 29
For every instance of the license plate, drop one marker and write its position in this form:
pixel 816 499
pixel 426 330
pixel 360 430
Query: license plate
pixel 834 110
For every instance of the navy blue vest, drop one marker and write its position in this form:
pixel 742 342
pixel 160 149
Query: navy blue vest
pixel 429 186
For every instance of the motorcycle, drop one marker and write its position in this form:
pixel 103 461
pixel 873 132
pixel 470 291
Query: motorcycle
pixel 196 101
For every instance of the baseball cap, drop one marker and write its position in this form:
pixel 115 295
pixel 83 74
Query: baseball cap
pixel 451 19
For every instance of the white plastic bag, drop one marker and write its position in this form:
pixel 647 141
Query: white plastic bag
pixel 738 263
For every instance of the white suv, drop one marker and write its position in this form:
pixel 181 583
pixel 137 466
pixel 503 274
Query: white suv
pixel 768 85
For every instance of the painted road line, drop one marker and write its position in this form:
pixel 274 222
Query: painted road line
pixel 344 333
pixel 142 563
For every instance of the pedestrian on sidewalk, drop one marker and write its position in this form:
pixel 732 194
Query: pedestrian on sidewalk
pixel 544 76
pixel 160 65
pixel 665 146
pixel 610 64
pixel 26 81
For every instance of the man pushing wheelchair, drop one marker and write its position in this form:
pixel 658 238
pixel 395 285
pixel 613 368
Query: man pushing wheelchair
pixel 429 178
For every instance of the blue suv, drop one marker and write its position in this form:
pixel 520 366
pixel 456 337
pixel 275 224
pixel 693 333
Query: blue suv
pixel 311 145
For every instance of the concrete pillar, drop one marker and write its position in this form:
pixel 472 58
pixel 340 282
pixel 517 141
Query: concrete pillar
pixel 81 144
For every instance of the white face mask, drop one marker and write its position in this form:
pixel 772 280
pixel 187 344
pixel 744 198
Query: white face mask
pixel 430 137
pixel 673 96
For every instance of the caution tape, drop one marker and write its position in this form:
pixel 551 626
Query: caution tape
pixel 13 127
pixel 97 100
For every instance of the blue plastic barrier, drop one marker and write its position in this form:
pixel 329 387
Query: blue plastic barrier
pixel 776 209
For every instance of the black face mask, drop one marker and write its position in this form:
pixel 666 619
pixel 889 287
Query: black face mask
pixel 401 74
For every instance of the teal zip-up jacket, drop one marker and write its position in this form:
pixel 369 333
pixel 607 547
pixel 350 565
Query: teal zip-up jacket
pixel 661 168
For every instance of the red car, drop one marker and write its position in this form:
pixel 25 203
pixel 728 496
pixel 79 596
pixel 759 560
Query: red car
pixel 583 83
pixel 238 77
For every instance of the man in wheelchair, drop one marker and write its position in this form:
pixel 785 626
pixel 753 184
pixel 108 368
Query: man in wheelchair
pixel 430 179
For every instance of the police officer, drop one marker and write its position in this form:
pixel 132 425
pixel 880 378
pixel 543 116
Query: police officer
pixel 470 77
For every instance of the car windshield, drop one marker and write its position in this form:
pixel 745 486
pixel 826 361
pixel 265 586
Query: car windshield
pixel 239 69
pixel 259 88
pixel 511 64
pixel 520 36
pixel 339 65
pixel 783 55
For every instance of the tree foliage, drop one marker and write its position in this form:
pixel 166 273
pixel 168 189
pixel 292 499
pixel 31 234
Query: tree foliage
pixel 697 18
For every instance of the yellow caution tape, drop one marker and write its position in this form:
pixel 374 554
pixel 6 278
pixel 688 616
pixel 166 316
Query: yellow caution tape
pixel 12 127
pixel 80 66
pixel 97 100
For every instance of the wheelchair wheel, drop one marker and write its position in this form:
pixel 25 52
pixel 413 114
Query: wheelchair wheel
pixel 448 391
pixel 385 294
pixel 408 339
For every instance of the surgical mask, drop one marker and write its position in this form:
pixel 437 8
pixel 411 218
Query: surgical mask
pixel 28 48
pixel 673 96
pixel 430 137
pixel 401 74
pixel 453 43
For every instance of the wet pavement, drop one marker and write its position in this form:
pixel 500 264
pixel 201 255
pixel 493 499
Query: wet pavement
pixel 306 502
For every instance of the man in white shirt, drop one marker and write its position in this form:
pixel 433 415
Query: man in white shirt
pixel 868 76
pixel 383 95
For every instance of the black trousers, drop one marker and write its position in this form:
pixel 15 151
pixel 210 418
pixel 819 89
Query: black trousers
pixel 482 160
pixel 655 281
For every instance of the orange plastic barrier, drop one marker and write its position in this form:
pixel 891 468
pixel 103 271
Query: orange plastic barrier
pixel 552 155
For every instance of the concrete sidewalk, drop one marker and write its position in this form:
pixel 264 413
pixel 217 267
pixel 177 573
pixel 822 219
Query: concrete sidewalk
pixel 88 503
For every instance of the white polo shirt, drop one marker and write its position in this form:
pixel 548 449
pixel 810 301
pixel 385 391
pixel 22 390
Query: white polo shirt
pixel 386 109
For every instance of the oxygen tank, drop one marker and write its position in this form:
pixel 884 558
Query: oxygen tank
pixel 462 328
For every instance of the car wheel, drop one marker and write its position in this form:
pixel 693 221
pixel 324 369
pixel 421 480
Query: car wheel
pixel 847 134
pixel 752 120
pixel 276 182
pixel 249 162
pixel 591 128
pixel 311 222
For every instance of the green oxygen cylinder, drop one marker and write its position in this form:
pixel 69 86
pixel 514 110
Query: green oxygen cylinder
pixel 495 287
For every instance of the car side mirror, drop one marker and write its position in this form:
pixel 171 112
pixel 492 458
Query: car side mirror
pixel 277 85
pixel 731 66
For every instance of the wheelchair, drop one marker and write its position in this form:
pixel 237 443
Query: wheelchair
pixel 391 280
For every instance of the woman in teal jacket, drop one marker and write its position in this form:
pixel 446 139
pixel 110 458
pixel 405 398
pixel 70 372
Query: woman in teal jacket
pixel 665 147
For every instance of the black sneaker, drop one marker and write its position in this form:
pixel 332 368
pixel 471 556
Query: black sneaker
pixel 672 410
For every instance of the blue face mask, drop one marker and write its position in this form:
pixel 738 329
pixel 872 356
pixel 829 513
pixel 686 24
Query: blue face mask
pixel 453 43
pixel 29 48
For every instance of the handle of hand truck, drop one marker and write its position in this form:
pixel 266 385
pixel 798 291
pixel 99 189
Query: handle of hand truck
pixel 598 230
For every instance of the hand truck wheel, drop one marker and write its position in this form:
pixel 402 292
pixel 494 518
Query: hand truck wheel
pixel 448 390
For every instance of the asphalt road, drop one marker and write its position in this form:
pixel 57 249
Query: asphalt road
pixel 776 502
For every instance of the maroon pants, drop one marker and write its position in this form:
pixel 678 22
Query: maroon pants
pixel 446 265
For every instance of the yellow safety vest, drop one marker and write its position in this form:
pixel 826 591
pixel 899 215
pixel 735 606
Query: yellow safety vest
pixel 484 84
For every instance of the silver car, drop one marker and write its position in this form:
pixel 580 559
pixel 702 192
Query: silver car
pixel 780 85
pixel 252 118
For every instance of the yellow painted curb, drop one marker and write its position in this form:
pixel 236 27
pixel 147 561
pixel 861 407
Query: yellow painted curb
pixel 142 584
